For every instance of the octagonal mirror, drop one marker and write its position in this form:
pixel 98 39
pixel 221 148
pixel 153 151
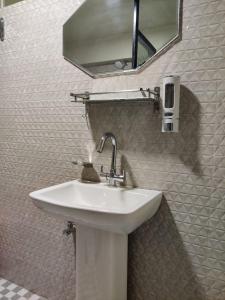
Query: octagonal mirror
pixel 111 37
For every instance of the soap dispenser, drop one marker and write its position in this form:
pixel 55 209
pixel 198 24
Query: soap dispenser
pixel 170 104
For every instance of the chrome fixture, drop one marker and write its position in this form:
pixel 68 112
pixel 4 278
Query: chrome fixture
pixel 2 29
pixel 111 177
pixel 69 229
pixel 137 95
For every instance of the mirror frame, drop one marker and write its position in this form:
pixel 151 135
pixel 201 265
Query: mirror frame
pixel 139 69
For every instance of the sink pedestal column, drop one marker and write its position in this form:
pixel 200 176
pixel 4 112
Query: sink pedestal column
pixel 101 264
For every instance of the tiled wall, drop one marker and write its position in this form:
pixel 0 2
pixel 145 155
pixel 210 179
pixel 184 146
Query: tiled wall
pixel 180 254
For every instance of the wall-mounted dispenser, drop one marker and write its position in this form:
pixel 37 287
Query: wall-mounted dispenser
pixel 170 104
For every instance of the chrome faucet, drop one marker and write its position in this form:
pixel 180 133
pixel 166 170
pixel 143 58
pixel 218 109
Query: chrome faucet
pixel 112 177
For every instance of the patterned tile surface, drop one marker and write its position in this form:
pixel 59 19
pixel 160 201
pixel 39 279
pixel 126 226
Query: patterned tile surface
pixel 9 290
pixel 180 253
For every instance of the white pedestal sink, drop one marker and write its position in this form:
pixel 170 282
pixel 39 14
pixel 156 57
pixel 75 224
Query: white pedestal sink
pixel 104 216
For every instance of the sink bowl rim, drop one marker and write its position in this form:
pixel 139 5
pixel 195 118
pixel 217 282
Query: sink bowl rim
pixel 35 195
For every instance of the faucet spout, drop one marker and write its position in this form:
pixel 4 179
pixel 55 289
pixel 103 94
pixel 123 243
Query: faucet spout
pixel 104 138
pixel 112 177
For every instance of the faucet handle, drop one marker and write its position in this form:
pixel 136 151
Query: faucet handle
pixel 121 177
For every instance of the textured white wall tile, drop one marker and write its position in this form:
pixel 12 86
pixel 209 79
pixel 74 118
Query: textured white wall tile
pixel 180 253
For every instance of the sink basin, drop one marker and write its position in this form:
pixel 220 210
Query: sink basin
pixel 114 209
pixel 104 216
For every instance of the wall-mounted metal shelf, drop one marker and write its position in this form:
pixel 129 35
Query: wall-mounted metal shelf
pixel 125 96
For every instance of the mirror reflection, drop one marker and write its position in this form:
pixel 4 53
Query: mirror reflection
pixel 111 36
pixel 10 2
